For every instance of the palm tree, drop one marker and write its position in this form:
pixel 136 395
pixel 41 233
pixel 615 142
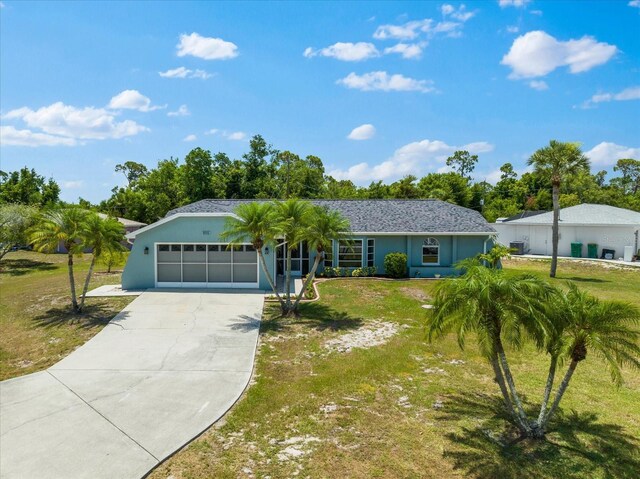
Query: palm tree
pixel 64 226
pixel 254 222
pixel 499 309
pixel 324 226
pixel 557 161
pixel 606 329
pixel 290 221
pixel 100 235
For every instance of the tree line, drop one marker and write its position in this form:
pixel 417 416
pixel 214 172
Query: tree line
pixel 267 173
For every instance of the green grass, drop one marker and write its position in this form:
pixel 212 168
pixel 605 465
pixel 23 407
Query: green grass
pixel 373 412
pixel 37 327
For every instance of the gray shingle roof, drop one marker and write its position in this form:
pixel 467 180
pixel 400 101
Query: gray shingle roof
pixel 380 216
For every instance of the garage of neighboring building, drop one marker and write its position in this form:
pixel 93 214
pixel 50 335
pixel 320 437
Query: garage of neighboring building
pixel 206 265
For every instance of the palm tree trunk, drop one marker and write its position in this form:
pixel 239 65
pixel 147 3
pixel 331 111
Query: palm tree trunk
pixel 503 387
pixel 287 281
pixel 561 390
pixel 512 387
pixel 547 390
pixel 554 229
pixel 86 282
pixel 72 282
pixel 309 280
pixel 263 263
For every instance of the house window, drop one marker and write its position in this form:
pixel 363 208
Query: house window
pixel 328 256
pixel 350 254
pixel 431 251
pixel 371 250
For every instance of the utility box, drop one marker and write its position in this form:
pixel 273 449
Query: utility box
pixel 592 250
pixel 517 247
pixel 576 250
pixel 628 253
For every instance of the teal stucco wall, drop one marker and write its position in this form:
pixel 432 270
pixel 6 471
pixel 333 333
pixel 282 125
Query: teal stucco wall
pixel 139 272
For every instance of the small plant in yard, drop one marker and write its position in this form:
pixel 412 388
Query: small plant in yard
pixel 509 310
pixel 395 264
pixel 112 259
pixel 496 254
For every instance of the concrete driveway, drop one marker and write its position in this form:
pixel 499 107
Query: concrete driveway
pixel 162 371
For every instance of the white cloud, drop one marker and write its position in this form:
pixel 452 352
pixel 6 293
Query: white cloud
pixel 235 135
pixel 539 85
pixel 206 48
pixel 190 138
pixel 381 80
pixel 407 31
pixel 513 29
pixel 460 13
pixel 182 72
pixel 10 136
pixel 407 50
pixel 414 158
pixel 536 12
pixel 87 123
pixel 513 3
pixel 212 131
pixel 634 3
pixel 132 100
pixel 631 93
pixel 362 132
pixel 537 53
pixel 347 52
pixel 606 153
pixel 182 111
pixel 73 184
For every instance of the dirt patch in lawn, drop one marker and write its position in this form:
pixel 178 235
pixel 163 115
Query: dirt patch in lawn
pixel 415 293
pixel 375 333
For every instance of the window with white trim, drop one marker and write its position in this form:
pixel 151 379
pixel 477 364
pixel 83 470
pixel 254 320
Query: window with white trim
pixel 350 254
pixel 371 252
pixel 431 251
pixel 328 256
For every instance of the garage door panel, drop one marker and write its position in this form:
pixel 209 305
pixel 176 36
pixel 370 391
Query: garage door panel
pixel 245 273
pixel 194 273
pixel 194 254
pixel 223 256
pixel 244 257
pixel 169 273
pixel 219 273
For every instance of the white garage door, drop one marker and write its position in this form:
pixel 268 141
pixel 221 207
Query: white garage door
pixel 206 265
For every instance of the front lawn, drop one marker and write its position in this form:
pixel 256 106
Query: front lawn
pixel 37 327
pixel 406 408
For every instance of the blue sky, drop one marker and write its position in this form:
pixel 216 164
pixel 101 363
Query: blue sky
pixel 377 90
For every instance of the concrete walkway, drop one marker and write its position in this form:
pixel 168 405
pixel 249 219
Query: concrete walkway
pixel 161 372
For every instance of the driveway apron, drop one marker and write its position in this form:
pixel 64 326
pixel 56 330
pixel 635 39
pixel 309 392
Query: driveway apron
pixel 161 372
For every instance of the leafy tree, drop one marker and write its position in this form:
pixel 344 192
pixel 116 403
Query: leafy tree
pixel 196 175
pixel 496 255
pixel 15 221
pixel 405 188
pixel 449 187
pixel 256 168
pixel 322 227
pixel 256 223
pixel 132 170
pixel 341 189
pixel 630 170
pixel 463 163
pixel 499 309
pixel 556 162
pixel 28 188
pixel 100 235
pixel 112 258
pixel 66 226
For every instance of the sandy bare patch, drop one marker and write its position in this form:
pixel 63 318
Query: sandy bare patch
pixel 415 293
pixel 374 334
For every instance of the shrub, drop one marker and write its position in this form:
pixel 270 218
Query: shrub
pixel 357 272
pixel 112 259
pixel 395 264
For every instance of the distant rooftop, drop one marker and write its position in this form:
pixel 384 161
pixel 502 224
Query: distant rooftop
pixel 127 223
pixel 524 214
pixel 380 216
pixel 585 214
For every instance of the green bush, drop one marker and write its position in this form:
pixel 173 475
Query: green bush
pixel 395 264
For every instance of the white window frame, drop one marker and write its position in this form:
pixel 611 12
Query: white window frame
pixel 324 259
pixel 351 252
pixel 430 242
pixel 371 261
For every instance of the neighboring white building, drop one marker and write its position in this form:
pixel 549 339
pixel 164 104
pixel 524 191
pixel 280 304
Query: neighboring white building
pixel 607 226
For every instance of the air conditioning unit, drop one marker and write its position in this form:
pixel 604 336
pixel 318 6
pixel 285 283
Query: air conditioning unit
pixel 518 247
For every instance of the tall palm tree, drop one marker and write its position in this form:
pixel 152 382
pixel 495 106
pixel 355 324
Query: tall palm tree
pixel 607 329
pixel 557 161
pixel 256 223
pixel 499 309
pixel 64 226
pixel 324 226
pixel 291 221
pixel 100 235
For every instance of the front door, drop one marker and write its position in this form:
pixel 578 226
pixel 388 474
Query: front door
pixel 299 259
